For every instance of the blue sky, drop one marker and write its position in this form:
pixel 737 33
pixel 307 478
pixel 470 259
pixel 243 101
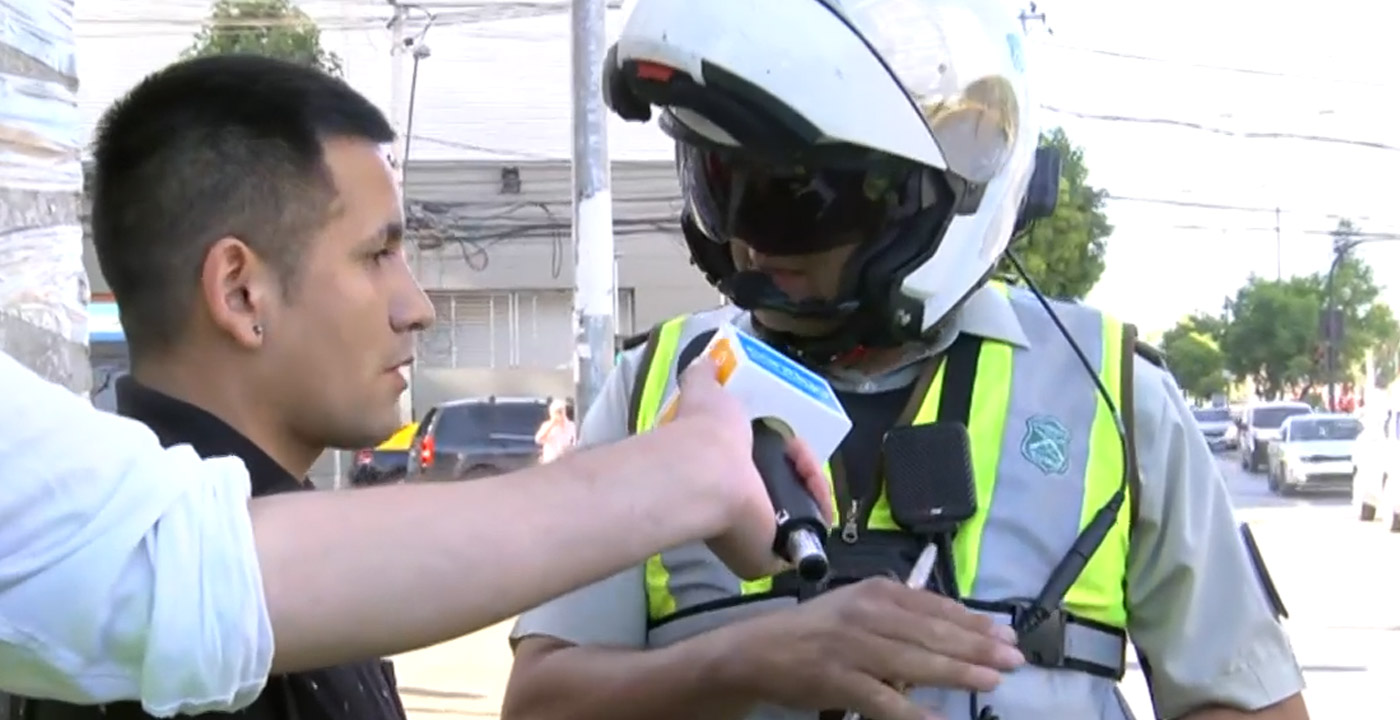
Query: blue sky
pixel 1320 70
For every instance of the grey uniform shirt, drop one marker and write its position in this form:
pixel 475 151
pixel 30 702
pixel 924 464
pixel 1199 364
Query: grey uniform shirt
pixel 1196 611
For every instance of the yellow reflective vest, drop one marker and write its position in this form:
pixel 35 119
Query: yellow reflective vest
pixel 1046 457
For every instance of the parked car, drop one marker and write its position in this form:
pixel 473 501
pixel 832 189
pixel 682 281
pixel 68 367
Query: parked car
pixel 1260 425
pixel 1218 428
pixel 1375 488
pixel 476 438
pixel 1313 452
pixel 385 464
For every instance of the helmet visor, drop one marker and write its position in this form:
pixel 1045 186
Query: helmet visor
pixel 794 209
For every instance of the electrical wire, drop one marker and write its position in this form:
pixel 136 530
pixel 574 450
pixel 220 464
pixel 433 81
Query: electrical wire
pixel 464 211
pixel 1346 80
pixel 481 12
pixel 472 233
pixel 1243 134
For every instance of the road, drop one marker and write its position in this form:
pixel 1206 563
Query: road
pixel 1344 616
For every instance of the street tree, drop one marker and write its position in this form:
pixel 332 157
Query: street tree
pixel 1064 253
pixel 1387 359
pixel 1272 335
pixel 275 28
pixel 1273 332
pixel 1196 360
pixel 1212 326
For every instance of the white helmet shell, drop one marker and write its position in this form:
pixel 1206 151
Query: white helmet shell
pixel 941 83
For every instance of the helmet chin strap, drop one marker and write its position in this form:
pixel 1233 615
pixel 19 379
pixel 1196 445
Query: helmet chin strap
pixel 751 289
pixel 845 345
pixel 814 352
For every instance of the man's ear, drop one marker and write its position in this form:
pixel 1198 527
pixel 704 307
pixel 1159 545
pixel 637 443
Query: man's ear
pixel 237 288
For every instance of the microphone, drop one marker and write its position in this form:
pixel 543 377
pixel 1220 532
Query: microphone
pixel 784 399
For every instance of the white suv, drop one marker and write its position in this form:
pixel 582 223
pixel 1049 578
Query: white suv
pixel 1259 425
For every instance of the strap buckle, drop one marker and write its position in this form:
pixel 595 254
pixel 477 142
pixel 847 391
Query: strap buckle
pixel 1040 633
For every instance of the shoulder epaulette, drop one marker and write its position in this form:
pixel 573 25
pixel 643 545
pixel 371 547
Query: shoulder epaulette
pixel 1151 354
pixel 632 341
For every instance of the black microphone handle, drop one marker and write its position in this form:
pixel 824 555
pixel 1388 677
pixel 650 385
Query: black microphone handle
pixel 801 532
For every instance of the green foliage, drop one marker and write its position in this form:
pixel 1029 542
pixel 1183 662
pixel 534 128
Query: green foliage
pixel 1387 357
pixel 1271 330
pixel 1196 360
pixel 1272 334
pixel 1212 326
pixel 275 28
pixel 1064 253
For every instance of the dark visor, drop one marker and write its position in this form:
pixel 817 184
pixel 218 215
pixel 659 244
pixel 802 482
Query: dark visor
pixel 793 210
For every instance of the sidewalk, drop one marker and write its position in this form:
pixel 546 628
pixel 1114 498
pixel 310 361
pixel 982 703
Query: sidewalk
pixel 465 678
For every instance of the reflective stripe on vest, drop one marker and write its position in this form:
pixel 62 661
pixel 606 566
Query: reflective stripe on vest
pixel 1016 402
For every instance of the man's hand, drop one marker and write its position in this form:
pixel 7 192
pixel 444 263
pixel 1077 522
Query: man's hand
pixel 843 650
pixel 747 544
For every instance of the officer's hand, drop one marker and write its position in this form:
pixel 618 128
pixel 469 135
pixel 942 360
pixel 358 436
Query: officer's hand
pixel 747 545
pixel 843 650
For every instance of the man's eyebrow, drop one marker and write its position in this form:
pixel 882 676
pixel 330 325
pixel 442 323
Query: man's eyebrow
pixel 391 232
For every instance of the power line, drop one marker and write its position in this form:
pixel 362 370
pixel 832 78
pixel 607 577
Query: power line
pixel 1201 205
pixel 450 12
pixel 1368 236
pixel 1255 72
pixel 177 27
pixel 506 217
pixel 1243 134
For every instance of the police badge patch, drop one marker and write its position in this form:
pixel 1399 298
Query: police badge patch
pixel 1046 444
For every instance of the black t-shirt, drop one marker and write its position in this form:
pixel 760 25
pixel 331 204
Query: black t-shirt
pixel 872 415
pixel 358 691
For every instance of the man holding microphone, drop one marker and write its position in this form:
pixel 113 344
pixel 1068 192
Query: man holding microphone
pixel 251 231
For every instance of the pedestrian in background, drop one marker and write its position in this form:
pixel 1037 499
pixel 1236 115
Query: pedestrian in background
pixel 557 433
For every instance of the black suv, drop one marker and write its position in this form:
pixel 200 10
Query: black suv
pixel 385 464
pixel 476 438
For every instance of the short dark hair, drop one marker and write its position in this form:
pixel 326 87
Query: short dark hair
pixel 227 145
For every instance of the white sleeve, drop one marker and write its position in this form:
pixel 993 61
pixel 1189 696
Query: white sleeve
pixel 1196 609
pixel 127 571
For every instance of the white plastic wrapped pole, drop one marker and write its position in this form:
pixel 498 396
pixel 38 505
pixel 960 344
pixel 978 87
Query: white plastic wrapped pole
pixel 43 287
pixel 595 283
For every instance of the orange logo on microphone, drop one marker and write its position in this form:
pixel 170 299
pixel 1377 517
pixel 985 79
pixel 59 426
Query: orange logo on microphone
pixel 722 355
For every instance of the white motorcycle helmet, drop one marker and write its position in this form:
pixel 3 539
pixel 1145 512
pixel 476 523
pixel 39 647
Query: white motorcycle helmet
pixel 802 124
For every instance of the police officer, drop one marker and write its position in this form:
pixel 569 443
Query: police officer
pixel 852 173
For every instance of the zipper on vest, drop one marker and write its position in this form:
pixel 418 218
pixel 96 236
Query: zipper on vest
pixel 854 512
pixel 850 530
pixel 847 507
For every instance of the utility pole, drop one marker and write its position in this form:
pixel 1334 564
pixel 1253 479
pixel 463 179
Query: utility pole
pixel 1278 240
pixel 399 110
pixel 1331 320
pixel 594 264
pixel 42 207
pixel 1033 14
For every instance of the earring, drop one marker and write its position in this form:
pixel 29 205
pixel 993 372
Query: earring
pixel 257 330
